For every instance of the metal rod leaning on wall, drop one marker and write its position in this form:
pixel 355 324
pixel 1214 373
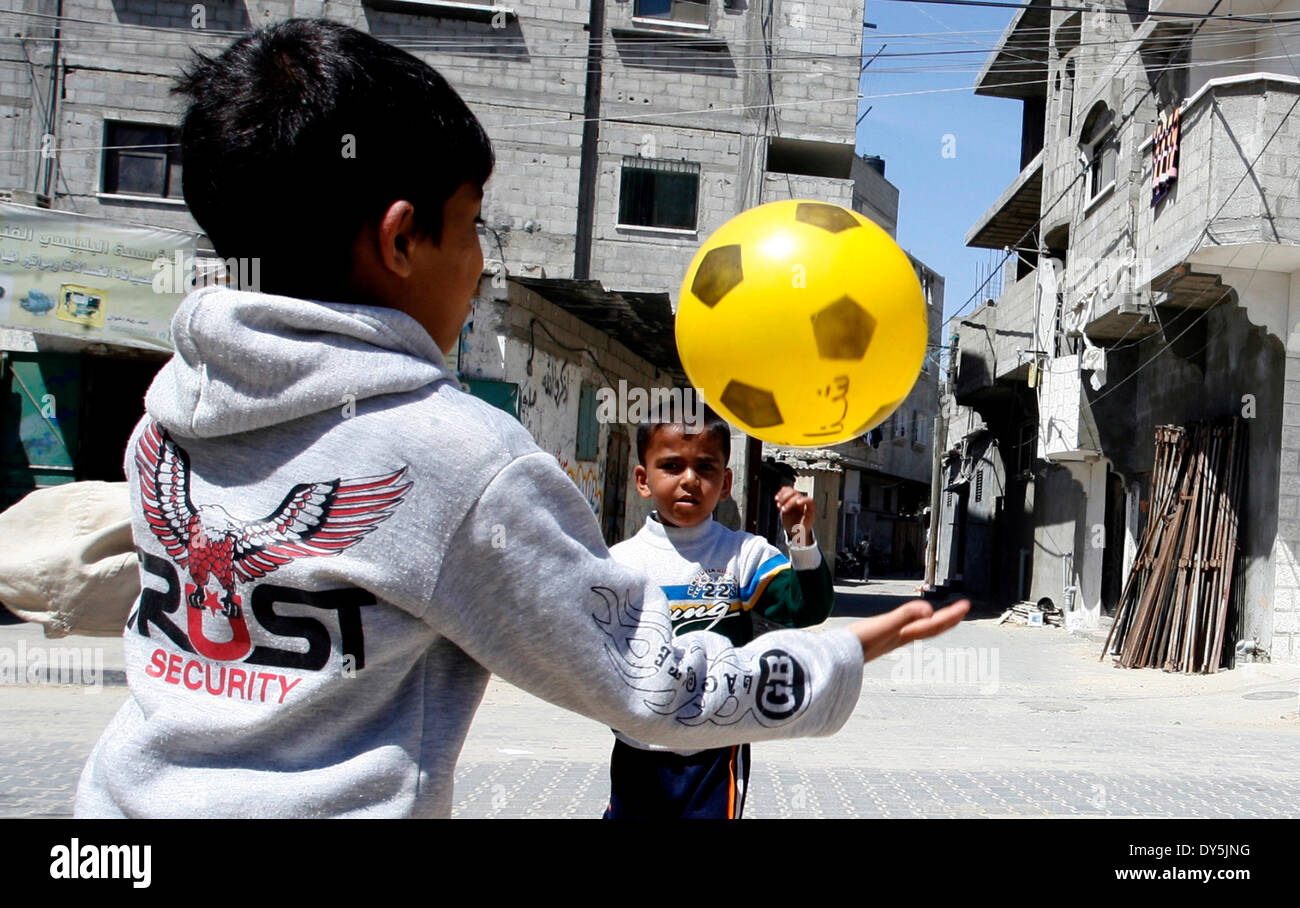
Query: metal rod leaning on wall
pixel 1174 609
pixel 1198 651
pixel 1140 572
pixel 1156 612
pixel 1137 642
pixel 1228 555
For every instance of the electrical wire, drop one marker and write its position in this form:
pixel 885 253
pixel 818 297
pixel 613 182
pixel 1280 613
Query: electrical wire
pixel 1205 232
pixel 1098 8
pixel 214 34
pixel 612 118
pixel 1114 386
pixel 508 42
pixel 1120 125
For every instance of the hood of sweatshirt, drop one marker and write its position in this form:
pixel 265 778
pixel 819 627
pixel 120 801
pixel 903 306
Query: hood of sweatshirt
pixel 247 360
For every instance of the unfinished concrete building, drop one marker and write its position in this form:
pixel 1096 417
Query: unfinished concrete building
pixel 1152 278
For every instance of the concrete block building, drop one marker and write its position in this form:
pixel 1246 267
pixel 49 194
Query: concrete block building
pixel 1153 248
pixel 625 131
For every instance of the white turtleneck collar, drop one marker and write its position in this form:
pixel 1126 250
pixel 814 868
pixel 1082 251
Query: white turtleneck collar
pixel 667 536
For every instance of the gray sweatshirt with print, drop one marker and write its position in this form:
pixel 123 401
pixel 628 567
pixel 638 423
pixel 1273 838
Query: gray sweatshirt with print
pixel 337 546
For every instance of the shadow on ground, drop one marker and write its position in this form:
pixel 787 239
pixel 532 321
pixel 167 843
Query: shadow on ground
pixel 856 599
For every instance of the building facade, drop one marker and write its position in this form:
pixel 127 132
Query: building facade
pixel 1153 248
pixel 625 133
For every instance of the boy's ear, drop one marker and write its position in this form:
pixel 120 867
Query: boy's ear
pixel 640 475
pixel 396 233
pixel 726 483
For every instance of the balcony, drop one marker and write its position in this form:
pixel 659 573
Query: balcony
pixel 1246 213
pixel 1014 214
pixel 1125 316
pixel 1018 68
pixel 994 342
pixel 777 187
pixel 1226 210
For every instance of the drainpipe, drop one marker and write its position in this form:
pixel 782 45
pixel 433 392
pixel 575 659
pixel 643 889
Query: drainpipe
pixel 936 468
pixel 46 171
pixel 590 135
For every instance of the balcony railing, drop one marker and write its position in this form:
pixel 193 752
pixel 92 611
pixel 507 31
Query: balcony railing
pixel 995 341
pixel 1228 194
pixel 1235 203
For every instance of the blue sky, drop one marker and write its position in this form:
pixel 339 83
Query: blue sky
pixel 939 198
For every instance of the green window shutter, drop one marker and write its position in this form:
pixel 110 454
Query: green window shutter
pixel 501 394
pixel 588 447
pixel 40 406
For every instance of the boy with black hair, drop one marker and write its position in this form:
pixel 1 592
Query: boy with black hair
pixel 715 579
pixel 336 543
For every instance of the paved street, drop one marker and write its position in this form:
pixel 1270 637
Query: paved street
pixel 988 721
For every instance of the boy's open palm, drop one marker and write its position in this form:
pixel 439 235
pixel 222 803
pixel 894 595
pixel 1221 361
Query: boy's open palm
pixel 915 620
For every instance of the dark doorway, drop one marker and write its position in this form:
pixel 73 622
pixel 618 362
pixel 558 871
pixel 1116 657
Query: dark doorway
pixel 1112 555
pixel 615 496
pixel 773 476
pixel 113 402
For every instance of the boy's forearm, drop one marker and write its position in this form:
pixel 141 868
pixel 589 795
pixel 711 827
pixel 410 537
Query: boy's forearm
pixel 818 592
pixel 802 596
pixel 550 611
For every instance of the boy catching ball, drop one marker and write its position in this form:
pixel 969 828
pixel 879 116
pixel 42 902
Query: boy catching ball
pixel 715 579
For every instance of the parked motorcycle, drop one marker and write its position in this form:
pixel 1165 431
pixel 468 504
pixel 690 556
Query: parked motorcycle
pixel 847 566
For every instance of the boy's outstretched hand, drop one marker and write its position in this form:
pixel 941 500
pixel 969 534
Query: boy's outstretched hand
pixel 797 513
pixel 915 620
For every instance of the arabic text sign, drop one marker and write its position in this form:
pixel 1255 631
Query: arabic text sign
pixel 66 274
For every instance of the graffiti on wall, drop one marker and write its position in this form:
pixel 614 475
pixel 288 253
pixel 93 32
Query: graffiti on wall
pixel 555 383
pixel 587 479
pixel 528 415
pixel 534 391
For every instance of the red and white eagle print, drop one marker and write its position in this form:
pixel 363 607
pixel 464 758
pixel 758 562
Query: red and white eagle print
pixel 314 519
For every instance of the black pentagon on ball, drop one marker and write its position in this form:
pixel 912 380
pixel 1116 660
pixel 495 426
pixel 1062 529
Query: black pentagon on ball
pixel 843 330
pixel 718 273
pixel 828 217
pixel 754 406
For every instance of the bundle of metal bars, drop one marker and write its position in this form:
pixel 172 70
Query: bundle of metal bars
pixel 1174 609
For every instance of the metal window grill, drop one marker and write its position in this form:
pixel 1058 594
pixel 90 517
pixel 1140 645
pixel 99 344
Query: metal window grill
pixel 696 11
pixel 141 159
pixel 659 193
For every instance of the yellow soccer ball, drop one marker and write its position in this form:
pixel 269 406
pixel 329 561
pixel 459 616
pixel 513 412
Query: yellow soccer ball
pixel 802 322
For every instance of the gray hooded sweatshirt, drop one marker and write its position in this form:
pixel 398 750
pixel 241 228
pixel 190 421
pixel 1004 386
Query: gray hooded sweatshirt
pixel 338 545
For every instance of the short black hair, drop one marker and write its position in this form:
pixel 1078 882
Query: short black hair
pixel 713 424
pixel 302 132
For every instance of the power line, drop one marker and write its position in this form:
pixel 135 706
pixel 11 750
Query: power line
pixel 613 118
pixel 1147 93
pixel 516 42
pixel 786 51
pixel 1205 232
pixel 1107 10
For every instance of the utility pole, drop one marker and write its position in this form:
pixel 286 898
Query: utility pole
pixel 44 182
pixel 936 472
pixel 590 137
pixel 936 469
